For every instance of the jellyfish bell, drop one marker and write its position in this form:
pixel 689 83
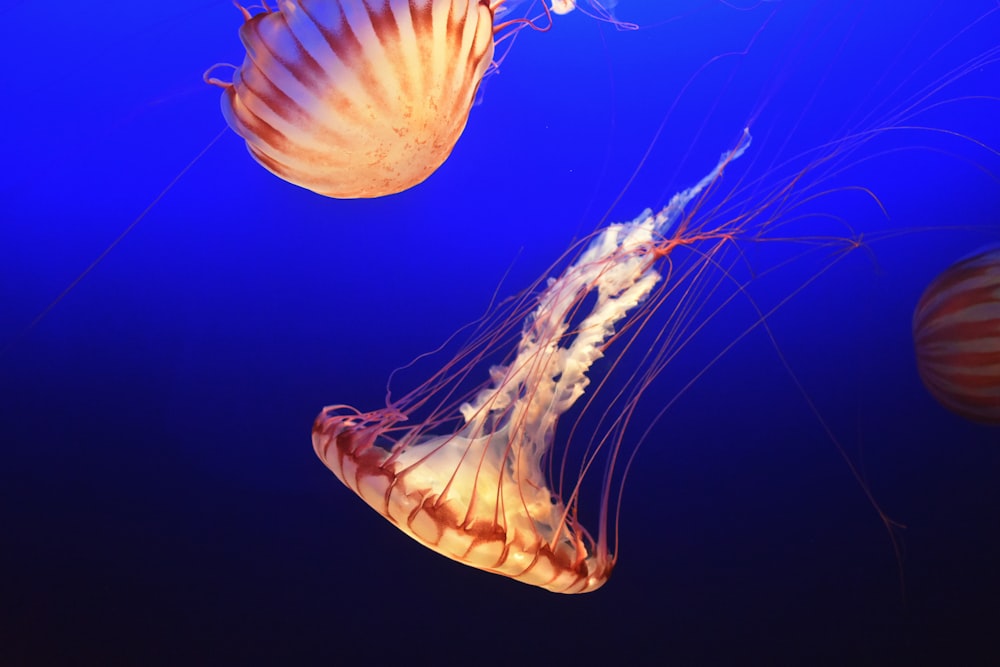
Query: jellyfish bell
pixel 956 333
pixel 351 99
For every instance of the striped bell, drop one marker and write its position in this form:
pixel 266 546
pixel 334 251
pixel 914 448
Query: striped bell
pixel 358 98
pixel 956 332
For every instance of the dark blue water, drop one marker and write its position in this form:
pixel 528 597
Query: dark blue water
pixel 160 500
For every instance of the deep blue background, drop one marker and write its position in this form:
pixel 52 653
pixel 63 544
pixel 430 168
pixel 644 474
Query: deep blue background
pixel 159 498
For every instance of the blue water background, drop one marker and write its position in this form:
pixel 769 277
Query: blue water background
pixel 161 502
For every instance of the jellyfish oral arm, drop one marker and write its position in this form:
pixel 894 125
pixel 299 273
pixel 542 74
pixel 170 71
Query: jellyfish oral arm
pixel 480 495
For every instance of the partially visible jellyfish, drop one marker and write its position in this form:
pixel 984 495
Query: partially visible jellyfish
pixel 479 494
pixel 356 99
pixel 956 333
pixel 351 99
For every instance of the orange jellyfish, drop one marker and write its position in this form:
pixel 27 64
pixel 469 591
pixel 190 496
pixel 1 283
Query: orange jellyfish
pixel 470 481
pixel 354 98
pixel 956 332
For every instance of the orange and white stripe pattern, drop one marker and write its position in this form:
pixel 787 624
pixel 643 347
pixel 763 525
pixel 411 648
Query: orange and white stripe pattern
pixel 956 331
pixel 358 98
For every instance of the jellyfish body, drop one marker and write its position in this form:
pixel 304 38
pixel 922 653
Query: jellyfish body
pixel 480 494
pixel 956 332
pixel 353 98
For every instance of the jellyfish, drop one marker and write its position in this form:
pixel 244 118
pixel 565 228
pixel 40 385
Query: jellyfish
pixel 956 334
pixel 353 99
pixel 479 494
